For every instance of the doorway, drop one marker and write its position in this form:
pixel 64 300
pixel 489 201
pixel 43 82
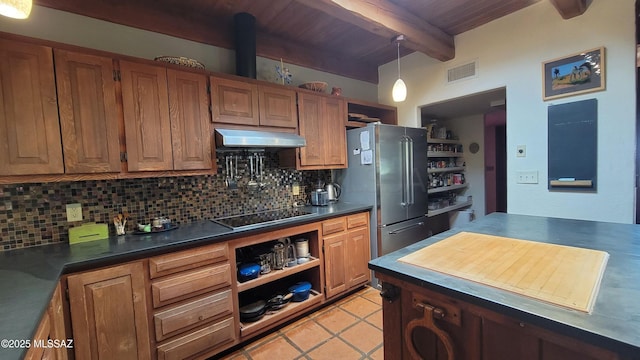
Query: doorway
pixel 466 118
pixel 495 161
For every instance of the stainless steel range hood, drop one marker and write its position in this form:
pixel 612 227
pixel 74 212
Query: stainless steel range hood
pixel 229 138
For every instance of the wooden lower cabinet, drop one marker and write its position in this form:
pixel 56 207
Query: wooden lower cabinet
pixel 185 304
pixel 180 318
pixel 347 251
pixel 193 302
pixel 420 323
pixel 172 263
pixel 335 264
pixel 109 313
pixel 198 342
pixel 51 333
pixel 190 283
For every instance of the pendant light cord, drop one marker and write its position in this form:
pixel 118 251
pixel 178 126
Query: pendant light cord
pixel 398 58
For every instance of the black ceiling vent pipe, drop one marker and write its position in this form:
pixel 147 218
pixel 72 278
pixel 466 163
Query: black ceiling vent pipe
pixel 245 32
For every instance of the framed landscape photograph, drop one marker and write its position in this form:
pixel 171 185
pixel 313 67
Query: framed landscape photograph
pixel 574 74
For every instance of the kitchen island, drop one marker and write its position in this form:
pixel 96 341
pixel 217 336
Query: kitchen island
pixel 475 321
pixel 29 277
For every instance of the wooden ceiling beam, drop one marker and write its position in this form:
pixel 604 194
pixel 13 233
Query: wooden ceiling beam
pixel 570 8
pixel 388 20
pixel 204 29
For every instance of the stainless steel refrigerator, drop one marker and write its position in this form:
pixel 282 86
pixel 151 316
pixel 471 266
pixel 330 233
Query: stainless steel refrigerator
pixel 388 170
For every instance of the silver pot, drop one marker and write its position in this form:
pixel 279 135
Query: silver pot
pixel 319 198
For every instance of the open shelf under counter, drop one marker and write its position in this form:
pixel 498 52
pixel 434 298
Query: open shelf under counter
pixel 278 274
pixel 248 328
pixel 445 169
pixel 443 141
pixel 446 188
pixel 442 154
pixel 457 206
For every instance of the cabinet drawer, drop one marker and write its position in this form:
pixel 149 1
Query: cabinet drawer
pixel 182 317
pixel 332 226
pixel 357 220
pixel 190 284
pixel 189 259
pixel 198 341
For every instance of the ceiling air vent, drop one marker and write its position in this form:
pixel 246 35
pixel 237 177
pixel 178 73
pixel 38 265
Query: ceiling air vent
pixel 461 72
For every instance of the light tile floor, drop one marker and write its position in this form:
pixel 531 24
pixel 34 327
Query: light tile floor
pixel 351 328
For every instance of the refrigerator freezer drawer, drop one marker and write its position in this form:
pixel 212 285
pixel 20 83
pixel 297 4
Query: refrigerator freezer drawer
pixel 397 236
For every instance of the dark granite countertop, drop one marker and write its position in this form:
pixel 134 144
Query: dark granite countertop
pixel 28 276
pixel 615 320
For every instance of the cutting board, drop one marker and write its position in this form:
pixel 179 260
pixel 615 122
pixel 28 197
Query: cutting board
pixel 562 275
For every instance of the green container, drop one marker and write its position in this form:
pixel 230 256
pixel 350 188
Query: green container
pixel 88 232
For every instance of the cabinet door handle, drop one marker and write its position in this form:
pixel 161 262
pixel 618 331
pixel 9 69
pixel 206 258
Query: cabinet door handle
pixel 427 321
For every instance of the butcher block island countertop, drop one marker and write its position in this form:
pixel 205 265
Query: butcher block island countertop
pixel 508 324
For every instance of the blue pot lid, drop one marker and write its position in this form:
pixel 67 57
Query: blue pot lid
pixel 248 269
pixel 300 287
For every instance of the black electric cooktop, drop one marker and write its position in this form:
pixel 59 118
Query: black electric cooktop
pixel 248 221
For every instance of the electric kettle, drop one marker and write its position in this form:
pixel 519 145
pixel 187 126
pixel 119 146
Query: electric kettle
pixel 334 191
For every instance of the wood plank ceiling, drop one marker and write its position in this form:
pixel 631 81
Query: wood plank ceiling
pixel 345 37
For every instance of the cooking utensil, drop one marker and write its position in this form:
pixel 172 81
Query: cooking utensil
pixel 279 254
pixel 266 260
pixel 231 179
pixel 302 250
pixel 235 168
pixel 319 197
pixel 260 169
pixel 333 190
pixel 253 185
pixel 253 311
pixel 248 271
pixel 279 301
pixel 300 291
pixel 290 252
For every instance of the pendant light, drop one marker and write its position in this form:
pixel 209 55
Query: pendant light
pixel 17 9
pixel 399 91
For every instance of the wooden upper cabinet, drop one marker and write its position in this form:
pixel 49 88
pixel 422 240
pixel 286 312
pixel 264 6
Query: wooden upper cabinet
pixel 145 102
pixel 88 112
pixel 190 125
pixel 311 128
pixel 109 313
pixel 234 102
pixel 335 147
pixel 29 127
pixel 277 107
pixel 321 122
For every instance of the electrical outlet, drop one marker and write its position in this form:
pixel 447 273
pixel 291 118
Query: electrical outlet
pixel 295 189
pixel 74 212
pixel 527 177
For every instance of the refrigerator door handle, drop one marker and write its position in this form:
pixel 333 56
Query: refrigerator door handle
pixel 398 231
pixel 412 195
pixel 404 144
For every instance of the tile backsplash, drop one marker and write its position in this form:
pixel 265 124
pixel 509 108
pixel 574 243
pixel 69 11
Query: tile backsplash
pixel 35 214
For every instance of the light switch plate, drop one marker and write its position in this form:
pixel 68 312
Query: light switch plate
pixel 527 177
